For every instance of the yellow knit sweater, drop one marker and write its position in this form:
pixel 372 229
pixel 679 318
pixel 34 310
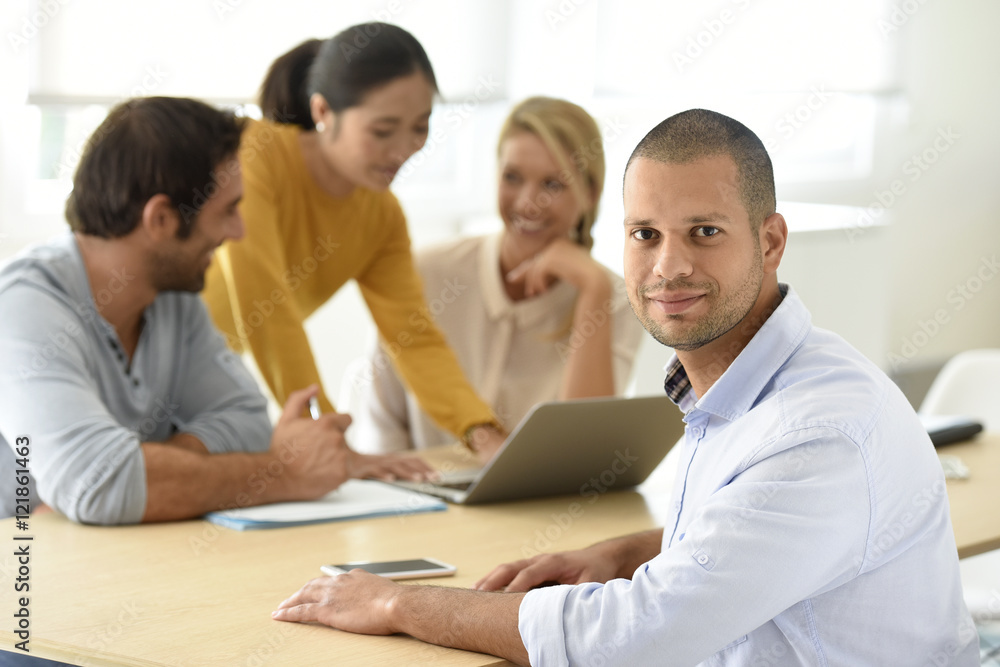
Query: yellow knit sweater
pixel 301 245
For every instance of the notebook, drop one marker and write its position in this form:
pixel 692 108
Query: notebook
pixel 354 499
pixel 585 447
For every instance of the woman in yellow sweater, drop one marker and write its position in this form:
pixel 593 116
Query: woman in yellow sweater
pixel 341 117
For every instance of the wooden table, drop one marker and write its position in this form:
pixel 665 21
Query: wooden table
pixel 975 502
pixel 191 593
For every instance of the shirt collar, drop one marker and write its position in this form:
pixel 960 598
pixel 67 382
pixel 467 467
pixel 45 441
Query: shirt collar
pixel 677 384
pixel 55 265
pixel 741 384
pixel 498 305
pixel 77 286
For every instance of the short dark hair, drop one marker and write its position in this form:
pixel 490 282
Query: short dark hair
pixel 699 133
pixel 145 147
pixel 342 69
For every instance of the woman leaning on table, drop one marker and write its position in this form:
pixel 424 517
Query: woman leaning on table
pixel 540 319
pixel 341 116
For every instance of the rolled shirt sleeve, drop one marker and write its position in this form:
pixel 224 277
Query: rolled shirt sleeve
pixel 87 417
pixel 84 463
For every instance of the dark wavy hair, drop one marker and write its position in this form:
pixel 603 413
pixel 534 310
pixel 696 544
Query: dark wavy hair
pixel 148 146
pixel 342 69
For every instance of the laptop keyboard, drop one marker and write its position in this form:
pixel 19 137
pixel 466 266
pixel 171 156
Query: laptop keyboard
pixel 458 480
pixel 458 486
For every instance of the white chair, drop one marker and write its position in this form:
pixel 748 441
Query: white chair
pixel 969 385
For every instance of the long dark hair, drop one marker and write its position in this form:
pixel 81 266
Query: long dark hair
pixel 341 69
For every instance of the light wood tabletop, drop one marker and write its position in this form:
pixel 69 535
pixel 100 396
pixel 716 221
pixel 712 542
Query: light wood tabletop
pixel 975 502
pixel 191 593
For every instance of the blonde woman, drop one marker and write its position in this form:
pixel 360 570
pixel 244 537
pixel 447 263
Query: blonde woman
pixel 530 314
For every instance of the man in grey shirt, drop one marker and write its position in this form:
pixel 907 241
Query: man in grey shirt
pixel 111 372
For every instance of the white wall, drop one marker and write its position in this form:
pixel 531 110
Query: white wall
pixel 949 216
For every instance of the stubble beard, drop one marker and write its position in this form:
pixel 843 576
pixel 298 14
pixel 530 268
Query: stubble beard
pixel 722 317
pixel 175 272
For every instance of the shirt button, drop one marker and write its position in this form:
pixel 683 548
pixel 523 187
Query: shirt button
pixel 135 382
pixel 702 559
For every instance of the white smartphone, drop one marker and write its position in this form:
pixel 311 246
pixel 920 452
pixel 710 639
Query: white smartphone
pixel 416 568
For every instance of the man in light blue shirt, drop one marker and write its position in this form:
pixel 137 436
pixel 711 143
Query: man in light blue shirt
pixel 116 391
pixel 809 523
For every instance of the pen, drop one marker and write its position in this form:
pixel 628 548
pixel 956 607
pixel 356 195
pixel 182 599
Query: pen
pixel 314 407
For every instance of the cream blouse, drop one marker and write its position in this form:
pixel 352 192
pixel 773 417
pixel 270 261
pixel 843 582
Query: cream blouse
pixel 511 352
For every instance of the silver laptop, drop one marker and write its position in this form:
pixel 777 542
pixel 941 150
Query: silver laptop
pixel 584 447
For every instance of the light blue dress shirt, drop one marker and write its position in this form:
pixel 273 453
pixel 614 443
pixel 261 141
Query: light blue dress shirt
pixel 809 526
pixel 67 384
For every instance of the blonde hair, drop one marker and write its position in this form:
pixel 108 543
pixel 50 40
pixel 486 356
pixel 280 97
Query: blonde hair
pixel 573 138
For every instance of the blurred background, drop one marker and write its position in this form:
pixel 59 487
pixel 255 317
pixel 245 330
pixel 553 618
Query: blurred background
pixel 882 118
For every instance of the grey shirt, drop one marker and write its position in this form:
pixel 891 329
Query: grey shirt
pixel 67 385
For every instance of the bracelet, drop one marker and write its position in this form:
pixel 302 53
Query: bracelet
pixel 467 436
